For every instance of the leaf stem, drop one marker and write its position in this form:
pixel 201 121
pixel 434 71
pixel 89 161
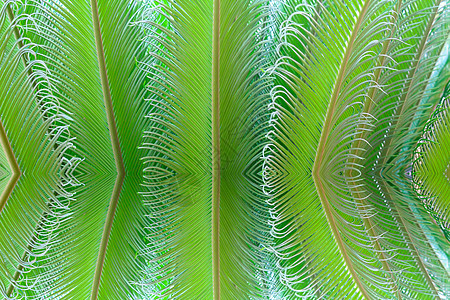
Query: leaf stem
pixel 115 147
pixel 328 125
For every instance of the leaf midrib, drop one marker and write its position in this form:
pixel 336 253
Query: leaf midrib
pixel 120 167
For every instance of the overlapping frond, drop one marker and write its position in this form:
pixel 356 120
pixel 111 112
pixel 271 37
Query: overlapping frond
pixel 358 77
pixel 431 171
pixel 401 110
pixel 309 90
pixel 41 143
pixel 244 96
pixel 62 32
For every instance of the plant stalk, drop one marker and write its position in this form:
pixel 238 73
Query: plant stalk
pixel 116 151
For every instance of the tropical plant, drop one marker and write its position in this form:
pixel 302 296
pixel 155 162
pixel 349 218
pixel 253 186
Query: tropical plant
pixel 224 149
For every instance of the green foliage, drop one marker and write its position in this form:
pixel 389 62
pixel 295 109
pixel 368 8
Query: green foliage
pixel 329 177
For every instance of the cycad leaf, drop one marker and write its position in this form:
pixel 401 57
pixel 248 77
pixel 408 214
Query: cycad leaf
pixel 297 131
pixel 431 168
pixel 178 174
pixel 123 47
pixel 363 223
pixel 40 141
pixel 277 141
pixel 177 162
pixel 59 31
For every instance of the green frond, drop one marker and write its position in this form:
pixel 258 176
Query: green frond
pixel 177 145
pixel 324 62
pixel 59 31
pixel 359 87
pixel 431 171
pixel 41 145
pixel 178 163
pixel 224 149
pixel 244 96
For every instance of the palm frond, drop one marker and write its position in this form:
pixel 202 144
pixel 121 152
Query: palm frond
pixel 353 212
pixel 59 31
pixel 41 143
pixel 177 144
pixel 244 96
